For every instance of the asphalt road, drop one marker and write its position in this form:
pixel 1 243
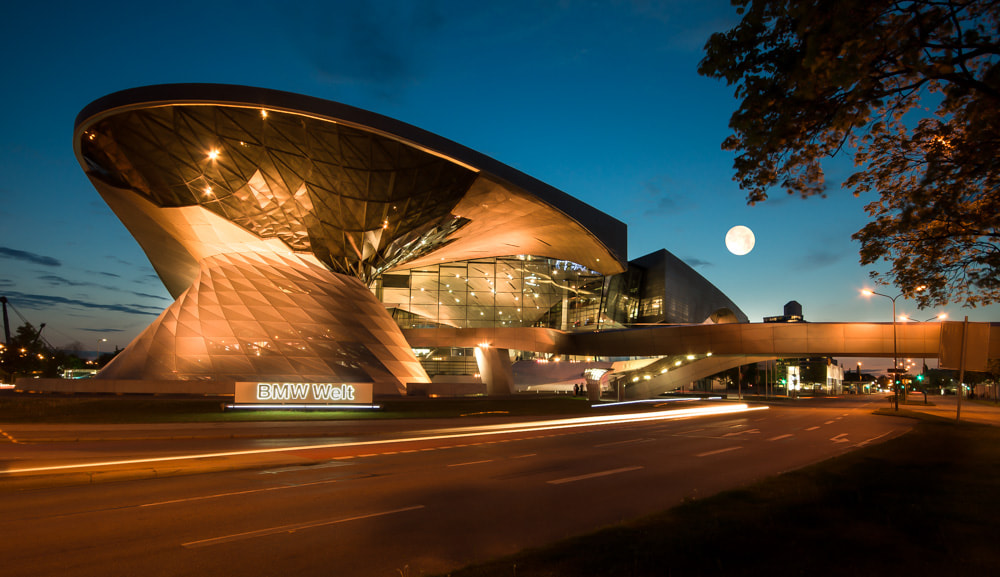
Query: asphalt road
pixel 420 506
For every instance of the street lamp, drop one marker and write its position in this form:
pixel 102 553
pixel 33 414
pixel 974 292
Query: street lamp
pixel 99 341
pixel 937 317
pixel 895 356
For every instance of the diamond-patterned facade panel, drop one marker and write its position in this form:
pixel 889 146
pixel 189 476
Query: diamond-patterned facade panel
pixel 319 332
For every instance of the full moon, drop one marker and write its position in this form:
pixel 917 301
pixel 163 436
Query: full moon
pixel 739 240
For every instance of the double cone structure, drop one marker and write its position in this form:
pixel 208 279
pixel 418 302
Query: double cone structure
pixel 268 215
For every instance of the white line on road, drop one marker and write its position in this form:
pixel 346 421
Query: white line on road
pixel 234 493
pixel 780 437
pixel 829 423
pixel 813 428
pixel 841 438
pixel 470 463
pixel 291 528
pixel 717 451
pixel 628 442
pixel 592 475
pixel 524 456
pixel 873 439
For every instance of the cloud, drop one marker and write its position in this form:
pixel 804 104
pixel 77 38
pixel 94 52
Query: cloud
pixel 658 198
pixel 56 280
pixel 819 258
pixel 149 296
pixel 28 257
pixel 113 258
pixel 32 301
pixel 103 273
pixel 100 330
pixel 697 262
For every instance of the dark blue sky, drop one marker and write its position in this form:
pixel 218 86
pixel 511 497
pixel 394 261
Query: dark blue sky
pixel 599 99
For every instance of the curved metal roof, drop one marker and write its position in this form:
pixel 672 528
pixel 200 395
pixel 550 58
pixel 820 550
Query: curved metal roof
pixel 362 192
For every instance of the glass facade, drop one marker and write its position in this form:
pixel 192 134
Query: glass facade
pixel 515 291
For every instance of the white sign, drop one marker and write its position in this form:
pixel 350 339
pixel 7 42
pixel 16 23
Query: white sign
pixel 303 393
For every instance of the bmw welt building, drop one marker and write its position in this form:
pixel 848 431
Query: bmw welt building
pixel 306 241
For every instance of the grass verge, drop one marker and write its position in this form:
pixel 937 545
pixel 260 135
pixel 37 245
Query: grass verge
pixel 926 503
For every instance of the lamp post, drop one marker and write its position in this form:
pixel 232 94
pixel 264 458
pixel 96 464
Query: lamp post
pixel 895 355
pixel 936 317
pixel 99 341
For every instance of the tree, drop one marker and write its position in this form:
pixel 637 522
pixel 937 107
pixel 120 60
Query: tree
pixel 912 90
pixel 26 353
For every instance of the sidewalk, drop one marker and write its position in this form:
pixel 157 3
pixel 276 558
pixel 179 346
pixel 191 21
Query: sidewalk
pixel 946 406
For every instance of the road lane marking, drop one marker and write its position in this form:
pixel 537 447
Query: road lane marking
pixel 593 475
pixel 813 428
pixel 234 493
pixel 300 468
pixel 873 439
pixel 749 431
pixel 691 431
pixel 717 451
pixel 829 422
pixel 525 456
pixel 291 528
pixel 780 437
pixel 628 442
pixel 470 463
pixel 841 438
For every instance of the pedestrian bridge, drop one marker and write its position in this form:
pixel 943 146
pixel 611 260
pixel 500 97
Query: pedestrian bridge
pixel 716 348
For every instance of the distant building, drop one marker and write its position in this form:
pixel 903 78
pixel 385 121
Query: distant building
pixel 806 376
pixel 793 314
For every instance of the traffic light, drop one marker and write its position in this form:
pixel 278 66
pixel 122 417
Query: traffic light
pixel 920 377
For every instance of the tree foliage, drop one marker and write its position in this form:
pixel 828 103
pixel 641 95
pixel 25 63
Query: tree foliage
pixel 28 355
pixel 912 90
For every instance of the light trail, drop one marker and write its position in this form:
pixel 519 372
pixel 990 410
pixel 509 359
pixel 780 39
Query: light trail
pixel 438 434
